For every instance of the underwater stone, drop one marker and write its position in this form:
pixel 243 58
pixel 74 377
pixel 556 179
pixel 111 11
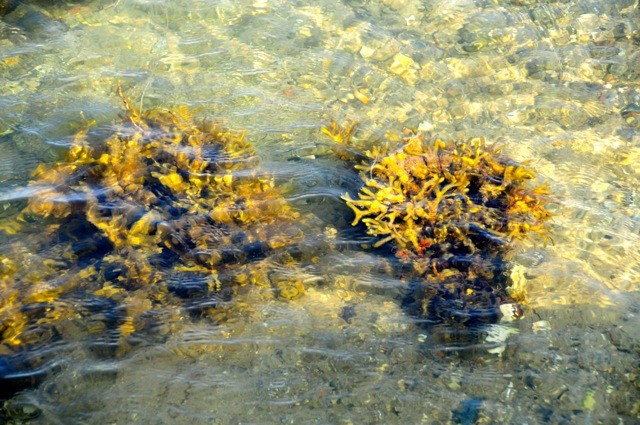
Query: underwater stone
pixel 165 218
pixel 450 211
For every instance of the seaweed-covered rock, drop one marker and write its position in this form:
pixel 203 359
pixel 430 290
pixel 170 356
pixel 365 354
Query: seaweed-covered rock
pixel 451 211
pixel 164 220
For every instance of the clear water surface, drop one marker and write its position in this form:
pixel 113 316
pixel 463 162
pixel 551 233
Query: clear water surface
pixel 557 83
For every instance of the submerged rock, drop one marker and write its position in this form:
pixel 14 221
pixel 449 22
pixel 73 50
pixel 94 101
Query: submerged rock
pixel 166 219
pixel 451 211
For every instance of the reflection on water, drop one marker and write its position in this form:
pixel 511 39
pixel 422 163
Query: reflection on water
pixel 554 82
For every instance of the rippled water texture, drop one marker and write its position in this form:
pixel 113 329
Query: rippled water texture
pixel 556 83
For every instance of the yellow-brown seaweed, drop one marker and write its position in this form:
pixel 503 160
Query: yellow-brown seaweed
pixel 165 218
pixel 452 211
pixel 462 193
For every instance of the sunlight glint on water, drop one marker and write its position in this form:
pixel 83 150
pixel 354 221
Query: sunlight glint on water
pixel 556 83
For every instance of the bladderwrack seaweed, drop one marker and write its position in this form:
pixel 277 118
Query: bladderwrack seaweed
pixel 452 210
pixel 165 218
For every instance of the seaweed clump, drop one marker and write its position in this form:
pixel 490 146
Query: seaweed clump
pixel 450 210
pixel 164 220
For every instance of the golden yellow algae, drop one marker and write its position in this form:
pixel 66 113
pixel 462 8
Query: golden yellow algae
pixel 340 133
pixel 452 211
pixel 163 220
pixel 461 193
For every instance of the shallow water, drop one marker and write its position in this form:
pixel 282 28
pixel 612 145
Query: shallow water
pixel 555 83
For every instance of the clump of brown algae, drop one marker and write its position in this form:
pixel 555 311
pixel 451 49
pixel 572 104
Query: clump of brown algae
pixel 165 219
pixel 452 211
